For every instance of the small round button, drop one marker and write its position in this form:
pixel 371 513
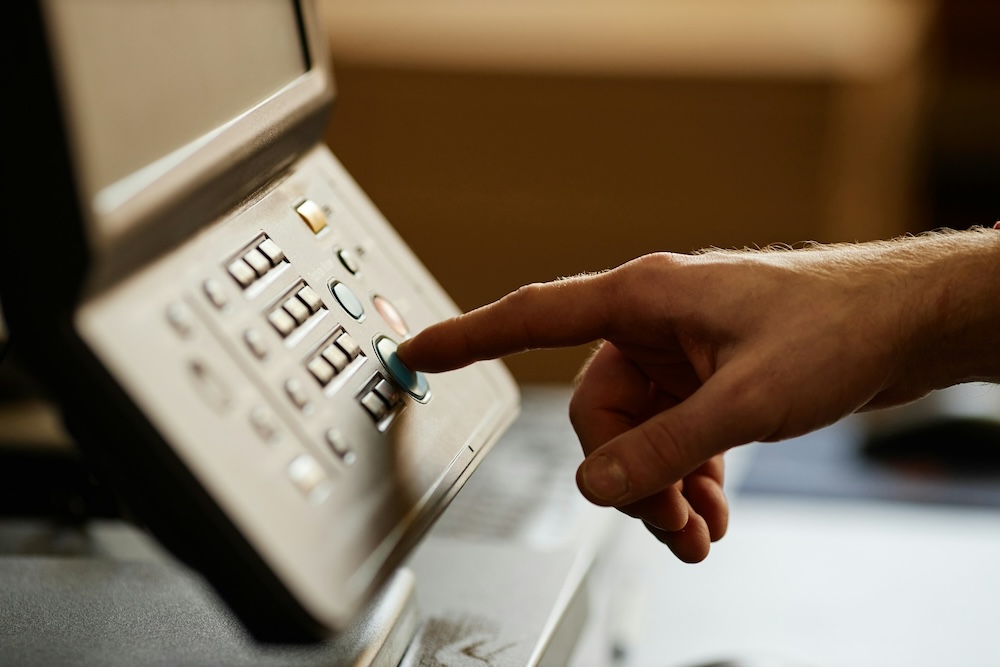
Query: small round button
pixel 347 300
pixel 350 263
pixel 413 382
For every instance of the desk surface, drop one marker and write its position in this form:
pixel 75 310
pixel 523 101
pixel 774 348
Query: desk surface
pixel 819 582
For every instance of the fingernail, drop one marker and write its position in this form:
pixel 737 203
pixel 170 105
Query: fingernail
pixel 604 478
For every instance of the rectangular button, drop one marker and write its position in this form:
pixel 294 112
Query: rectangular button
pixel 347 344
pixel 336 357
pixel 385 389
pixel 312 215
pixel 282 321
pixel 310 298
pixel 321 370
pixel 256 259
pixel 271 251
pixel 375 406
pixel 296 309
pixel 242 272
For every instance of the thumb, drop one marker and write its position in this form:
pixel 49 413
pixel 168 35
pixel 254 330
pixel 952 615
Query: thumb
pixel 724 412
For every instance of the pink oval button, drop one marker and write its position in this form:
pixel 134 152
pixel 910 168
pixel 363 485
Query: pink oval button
pixel 390 315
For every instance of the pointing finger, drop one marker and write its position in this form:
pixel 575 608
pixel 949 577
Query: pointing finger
pixel 566 312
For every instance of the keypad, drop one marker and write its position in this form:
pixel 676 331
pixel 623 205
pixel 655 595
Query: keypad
pixel 255 262
pixel 333 357
pixel 293 310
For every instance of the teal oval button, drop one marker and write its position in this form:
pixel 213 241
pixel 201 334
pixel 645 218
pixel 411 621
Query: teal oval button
pixel 413 382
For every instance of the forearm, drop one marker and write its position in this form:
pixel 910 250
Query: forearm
pixel 952 308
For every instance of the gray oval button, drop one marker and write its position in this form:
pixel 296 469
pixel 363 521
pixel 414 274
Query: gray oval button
pixel 413 382
pixel 347 300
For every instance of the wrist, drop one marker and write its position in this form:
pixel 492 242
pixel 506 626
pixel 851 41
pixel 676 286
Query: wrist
pixel 951 319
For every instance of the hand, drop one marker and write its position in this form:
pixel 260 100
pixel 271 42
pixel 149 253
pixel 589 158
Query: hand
pixel 706 352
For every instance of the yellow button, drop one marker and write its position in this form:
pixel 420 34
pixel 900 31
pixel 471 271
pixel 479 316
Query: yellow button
pixel 312 214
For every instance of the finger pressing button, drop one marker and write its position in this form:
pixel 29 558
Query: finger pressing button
pixel 413 382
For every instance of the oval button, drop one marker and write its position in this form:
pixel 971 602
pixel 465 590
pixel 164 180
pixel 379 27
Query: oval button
pixel 347 300
pixel 413 382
pixel 391 315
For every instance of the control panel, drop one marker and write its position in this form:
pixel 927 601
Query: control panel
pixel 264 351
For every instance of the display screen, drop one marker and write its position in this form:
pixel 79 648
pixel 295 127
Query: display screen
pixel 145 80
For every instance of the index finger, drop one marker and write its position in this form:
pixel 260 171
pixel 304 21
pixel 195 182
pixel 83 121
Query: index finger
pixel 570 311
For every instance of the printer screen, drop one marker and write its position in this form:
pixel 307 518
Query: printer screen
pixel 147 81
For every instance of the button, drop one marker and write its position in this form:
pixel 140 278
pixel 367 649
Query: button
pixel 210 386
pixel 310 298
pixel 321 370
pixel 271 251
pixel 390 315
pixel 296 309
pixel 340 446
pixel 312 215
pixel 388 393
pixel 264 424
pixel 375 406
pixel 282 321
pixel 255 341
pixel 336 357
pixel 306 474
pixel 347 300
pixel 257 261
pixel 347 344
pixel 242 272
pixel 216 293
pixel 413 382
pixel 347 258
pixel 179 318
pixel 297 393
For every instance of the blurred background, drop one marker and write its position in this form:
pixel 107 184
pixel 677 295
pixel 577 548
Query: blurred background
pixel 516 141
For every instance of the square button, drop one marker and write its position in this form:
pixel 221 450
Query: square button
pixel 297 393
pixel 215 292
pixel 306 474
pixel 255 341
pixel 341 446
